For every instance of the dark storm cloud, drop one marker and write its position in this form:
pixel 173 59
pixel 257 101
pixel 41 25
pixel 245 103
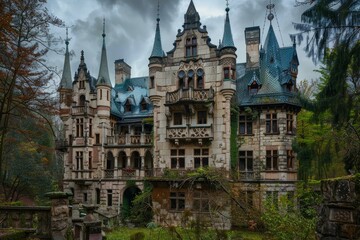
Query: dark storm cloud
pixel 130 29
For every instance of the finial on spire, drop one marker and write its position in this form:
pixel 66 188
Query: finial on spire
pixel 270 16
pixel 103 35
pixel 158 11
pixel 67 37
pixel 82 56
pixel 227 9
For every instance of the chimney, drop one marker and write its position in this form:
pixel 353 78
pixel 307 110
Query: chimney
pixel 122 71
pixel 252 39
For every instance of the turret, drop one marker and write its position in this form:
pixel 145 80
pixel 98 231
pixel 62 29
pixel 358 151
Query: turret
pixel 103 85
pixel 228 49
pixel 65 87
pixel 157 54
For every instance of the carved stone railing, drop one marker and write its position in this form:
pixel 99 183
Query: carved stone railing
pixel 190 133
pixel 82 110
pixel 199 95
pixel 35 220
pixel 109 173
pixel 129 139
pixel 82 174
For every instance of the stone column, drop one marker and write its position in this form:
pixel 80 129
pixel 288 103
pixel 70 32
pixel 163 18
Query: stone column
pixel 60 214
pixel 91 225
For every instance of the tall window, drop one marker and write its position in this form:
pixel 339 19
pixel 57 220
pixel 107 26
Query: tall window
pixel 79 161
pixel 271 160
pixel 200 201
pixel 107 95
pixel 85 197
pixel 90 160
pixel 289 123
pixel 201 117
pixel 191 47
pixel 97 197
pixel 90 127
pixel 200 79
pixel 191 78
pixel 226 73
pixel 177 201
pixel 81 84
pixel 100 94
pixel 201 157
pixel 152 82
pixel 143 105
pixel 128 106
pixel 79 127
pixel 109 197
pixel 181 76
pixel 245 124
pixel 290 159
pixel 177 158
pixel 177 118
pixel 97 138
pixel 82 100
pixel 246 160
pixel 271 123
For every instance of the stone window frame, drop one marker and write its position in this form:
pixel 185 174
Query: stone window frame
pixel 290 159
pixel 191 47
pixel 246 123
pixel 177 119
pixel 201 117
pixel 177 158
pixel 272 197
pixel 290 123
pixel 109 198
pixel 79 158
pixel 80 127
pixel 271 123
pixel 272 160
pixel 201 157
pixel 177 201
pixel 246 158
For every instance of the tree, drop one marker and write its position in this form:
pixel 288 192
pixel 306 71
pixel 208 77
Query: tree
pixel 25 90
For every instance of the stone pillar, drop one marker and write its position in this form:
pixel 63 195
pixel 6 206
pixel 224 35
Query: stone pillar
pixel 60 214
pixel 91 225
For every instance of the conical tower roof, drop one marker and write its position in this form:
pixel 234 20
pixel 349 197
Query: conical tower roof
pixel 227 37
pixel 66 82
pixel 157 50
pixel 104 77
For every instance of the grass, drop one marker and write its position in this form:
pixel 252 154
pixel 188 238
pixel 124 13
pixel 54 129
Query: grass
pixel 161 233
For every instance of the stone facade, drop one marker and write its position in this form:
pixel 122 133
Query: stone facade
pixel 339 212
pixel 177 120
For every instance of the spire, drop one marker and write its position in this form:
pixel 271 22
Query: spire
pixel 104 78
pixel 192 17
pixel 271 45
pixel 227 37
pixel 66 81
pixel 157 50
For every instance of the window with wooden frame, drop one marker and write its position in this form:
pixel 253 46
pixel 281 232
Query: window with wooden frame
pixel 245 125
pixel 177 158
pixel 201 157
pixel 272 123
pixel 246 161
pixel 177 201
pixel 289 123
pixel 271 160
pixel 177 118
pixel 201 201
pixel 79 127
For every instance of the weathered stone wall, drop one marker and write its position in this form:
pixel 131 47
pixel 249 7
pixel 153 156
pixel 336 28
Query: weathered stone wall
pixel 340 210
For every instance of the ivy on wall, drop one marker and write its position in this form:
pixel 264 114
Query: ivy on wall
pixel 234 118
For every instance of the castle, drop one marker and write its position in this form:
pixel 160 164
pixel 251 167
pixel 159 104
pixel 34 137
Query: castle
pixel 197 109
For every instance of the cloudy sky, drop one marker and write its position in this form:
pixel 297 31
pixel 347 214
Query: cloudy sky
pixel 130 28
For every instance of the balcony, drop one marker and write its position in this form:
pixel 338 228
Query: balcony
pixel 129 139
pixel 83 110
pixel 82 174
pixel 127 173
pixel 61 145
pixel 190 94
pixel 190 133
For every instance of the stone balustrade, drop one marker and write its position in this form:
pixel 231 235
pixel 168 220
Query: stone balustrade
pixel 129 139
pixel 190 94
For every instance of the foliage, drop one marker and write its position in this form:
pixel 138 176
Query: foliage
pixel 285 221
pixel 24 88
pixel 141 211
pixel 186 234
pixel 234 118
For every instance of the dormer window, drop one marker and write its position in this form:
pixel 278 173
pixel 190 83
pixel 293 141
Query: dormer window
pixel 127 106
pixel 130 89
pixel 191 47
pixel 254 88
pixel 289 86
pixel 143 105
pixel 200 78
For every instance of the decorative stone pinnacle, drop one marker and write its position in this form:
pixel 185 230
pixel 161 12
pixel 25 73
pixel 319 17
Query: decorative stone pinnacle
pixel 67 37
pixel 103 35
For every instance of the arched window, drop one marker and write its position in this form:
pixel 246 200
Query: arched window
pixel 200 78
pixel 191 75
pixel 82 100
pixel 135 160
pixel 191 47
pixel 110 161
pixel 181 76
